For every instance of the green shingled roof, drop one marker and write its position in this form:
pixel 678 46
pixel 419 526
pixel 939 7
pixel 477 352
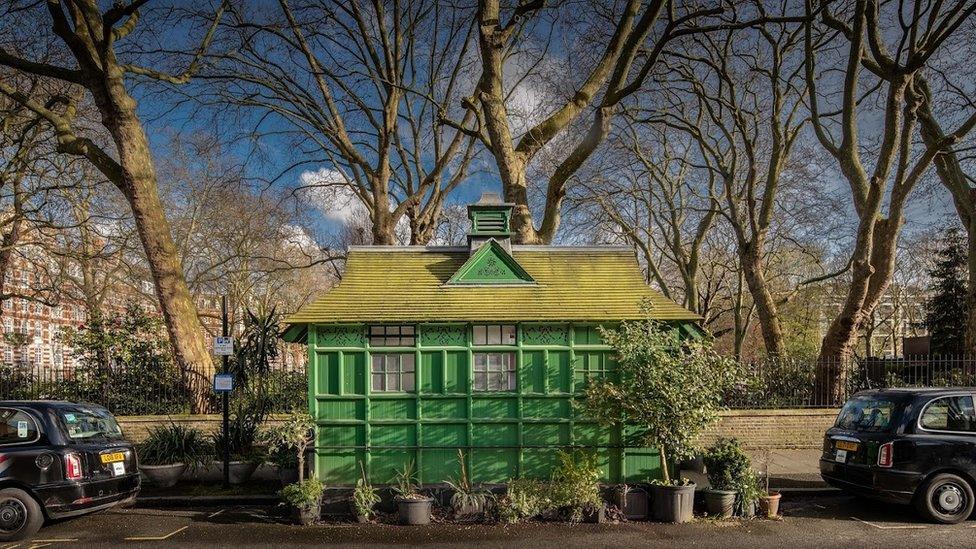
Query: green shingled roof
pixel 409 284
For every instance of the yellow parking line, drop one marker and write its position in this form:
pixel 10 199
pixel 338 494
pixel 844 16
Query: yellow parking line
pixel 157 538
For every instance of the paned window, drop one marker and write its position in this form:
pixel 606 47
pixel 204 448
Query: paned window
pixel 392 336
pixel 494 334
pixel 393 372
pixel 494 372
pixel 953 413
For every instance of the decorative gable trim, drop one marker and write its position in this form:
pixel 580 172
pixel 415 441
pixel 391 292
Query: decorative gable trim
pixel 491 264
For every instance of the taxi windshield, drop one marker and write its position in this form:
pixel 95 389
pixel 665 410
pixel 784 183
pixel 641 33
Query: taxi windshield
pixel 90 424
pixel 870 414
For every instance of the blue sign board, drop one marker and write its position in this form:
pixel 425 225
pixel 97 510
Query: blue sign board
pixel 223 383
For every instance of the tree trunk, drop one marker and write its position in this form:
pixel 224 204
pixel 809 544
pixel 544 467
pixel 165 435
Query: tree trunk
pixel 766 310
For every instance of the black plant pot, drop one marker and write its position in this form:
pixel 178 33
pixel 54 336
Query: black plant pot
pixel 414 511
pixel 674 503
pixel 720 503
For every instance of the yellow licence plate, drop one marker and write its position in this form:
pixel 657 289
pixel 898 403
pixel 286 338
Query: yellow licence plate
pixel 845 445
pixel 110 458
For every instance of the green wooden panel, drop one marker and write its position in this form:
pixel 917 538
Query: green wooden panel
pixel 545 334
pixel 489 434
pixel 456 372
pixel 440 465
pixel 431 372
pixel 592 434
pixel 405 408
pixel 341 409
pixel 642 465
pixel 341 435
pixel 443 335
pixel 455 435
pixel 444 408
pixel 538 462
pixel 393 435
pixel 532 373
pixel 494 465
pixel 544 408
pixel 339 466
pixel 545 434
pixel 383 463
pixel 494 408
pixel 341 335
pixel 559 372
pixel 326 372
pixel 354 373
pixel 586 335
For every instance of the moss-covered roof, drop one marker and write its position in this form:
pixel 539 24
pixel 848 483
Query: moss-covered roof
pixel 409 284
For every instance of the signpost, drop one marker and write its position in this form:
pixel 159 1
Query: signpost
pixel 224 383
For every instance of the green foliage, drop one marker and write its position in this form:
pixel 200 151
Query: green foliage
pixel 169 444
pixel 727 464
pixel 405 481
pixel 946 311
pixel 465 494
pixel 573 490
pixel 670 386
pixel 364 497
pixel 134 337
pixel 750 488
pixel 306 494
pixel 287 442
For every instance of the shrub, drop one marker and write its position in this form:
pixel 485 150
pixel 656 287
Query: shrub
pixel 170 444
pixel 287 442
pixel 727 464
pixel 364 497
pixel 524 499
pixel 465 494
pixel 575 485
pixel 405 482
pixel 305 494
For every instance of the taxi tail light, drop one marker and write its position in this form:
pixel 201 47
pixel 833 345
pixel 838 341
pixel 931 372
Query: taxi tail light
pixel 886 455
pixel 72 467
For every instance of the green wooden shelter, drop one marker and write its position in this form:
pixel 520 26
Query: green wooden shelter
pixel 421 351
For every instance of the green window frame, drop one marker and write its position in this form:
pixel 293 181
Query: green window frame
pixel 393 373
pixel 493 334
pixel 494 372
pixel 398 335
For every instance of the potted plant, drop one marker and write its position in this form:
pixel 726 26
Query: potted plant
pixel 768 500
pixel 364 498
pixel 467 501
pixel 286 444
pixel 239 442
pixel 169 451
pixel 670 387
pixel 726 464
pixel 413 508
pixel 575 487
pixel 305 499
pixel 750 490
pixel 632 502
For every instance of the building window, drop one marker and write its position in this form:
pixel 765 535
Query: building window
pixel 494 334
pixel 8 325
pixel 392 336
pixel 494 371
pixel 393 372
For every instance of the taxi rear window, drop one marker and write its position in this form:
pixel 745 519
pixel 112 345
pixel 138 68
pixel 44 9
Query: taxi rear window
pixel 90 424
pixel 867 414
pixel 16 427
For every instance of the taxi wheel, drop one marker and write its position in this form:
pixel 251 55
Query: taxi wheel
pixel 946 498
pixel 20 515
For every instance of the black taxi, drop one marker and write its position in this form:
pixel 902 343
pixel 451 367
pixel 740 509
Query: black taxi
pixel 914 446
pixel 57 460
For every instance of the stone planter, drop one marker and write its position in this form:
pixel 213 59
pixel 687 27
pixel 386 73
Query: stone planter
pixel 673 503
pixel 414 511
pixel 769 505
pixel 720 503
pixel 240 471
pixel 164 476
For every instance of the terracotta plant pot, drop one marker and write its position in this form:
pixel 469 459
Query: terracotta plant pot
pixel 240 471
pixel 414 511
pixel 769 505
pixel 164 476
pixel 720 503
pixel 674 503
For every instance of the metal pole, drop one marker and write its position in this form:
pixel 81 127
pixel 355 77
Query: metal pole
pixel 223 397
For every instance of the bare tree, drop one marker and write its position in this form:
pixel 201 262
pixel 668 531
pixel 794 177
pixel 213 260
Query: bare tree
pixel 880 184
pixel 90 37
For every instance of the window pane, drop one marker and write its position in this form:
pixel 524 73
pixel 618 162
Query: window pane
pixel 508 335
pixel 378 382
pixel 950 414
pixel 378 362
pixel 406 330
pixel 511 381
pixel 408 382
pixel 480 362
pixel 392 382
pixel 406 363
pixel 479 335
pixel 16 427
pixel 494 362
pixel 480 381
pixel 375 330
pixel 494 335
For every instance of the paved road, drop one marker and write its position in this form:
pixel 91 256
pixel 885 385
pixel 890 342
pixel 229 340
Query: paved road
pixel 835 521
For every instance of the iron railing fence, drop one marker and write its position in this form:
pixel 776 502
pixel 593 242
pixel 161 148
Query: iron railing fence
pixel 794 382
pixel 768 383
pixel 139 390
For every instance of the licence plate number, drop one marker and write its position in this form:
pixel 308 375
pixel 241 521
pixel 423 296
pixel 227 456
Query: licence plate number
pixel 113 457
pixel 846 445
pixel 841 456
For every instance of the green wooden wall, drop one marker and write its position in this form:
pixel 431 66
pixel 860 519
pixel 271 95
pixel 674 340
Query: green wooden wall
pixel 503 434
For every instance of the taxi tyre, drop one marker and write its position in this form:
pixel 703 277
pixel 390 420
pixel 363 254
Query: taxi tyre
pixel 928 497
pixel 20 501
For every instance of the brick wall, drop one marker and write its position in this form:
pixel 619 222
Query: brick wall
pixel 797 428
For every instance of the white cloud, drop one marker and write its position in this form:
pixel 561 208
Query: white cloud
pixel 329 191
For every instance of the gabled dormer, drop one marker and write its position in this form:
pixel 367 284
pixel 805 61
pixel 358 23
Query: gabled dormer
pixel 490 258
